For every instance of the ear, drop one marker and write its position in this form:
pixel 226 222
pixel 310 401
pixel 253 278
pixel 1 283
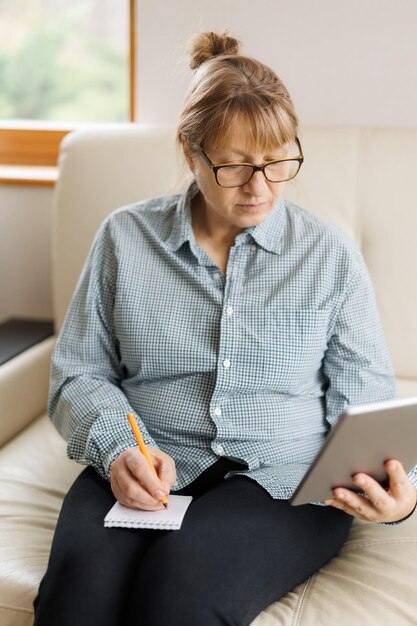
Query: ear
pixel 188 154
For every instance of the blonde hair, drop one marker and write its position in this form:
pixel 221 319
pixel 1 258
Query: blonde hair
pixel 229 89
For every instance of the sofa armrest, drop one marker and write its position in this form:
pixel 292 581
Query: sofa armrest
pixel 24 383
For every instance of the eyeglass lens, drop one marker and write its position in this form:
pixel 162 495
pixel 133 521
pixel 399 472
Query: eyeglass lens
pixel 235 175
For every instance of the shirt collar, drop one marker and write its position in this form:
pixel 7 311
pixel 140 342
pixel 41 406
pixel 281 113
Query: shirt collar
pixel 268 234
pixel 182 230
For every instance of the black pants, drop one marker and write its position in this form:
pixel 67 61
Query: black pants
pixel 238 550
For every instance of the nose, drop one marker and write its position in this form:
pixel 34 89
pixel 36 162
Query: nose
pixel 256 185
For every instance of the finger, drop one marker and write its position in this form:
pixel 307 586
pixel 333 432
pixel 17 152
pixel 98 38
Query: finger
pixel 139 468
pixel 375 492
pixel 398 479
pixel 137 499
pixel 342 506
pixel 134 494
pixel 353 504
pixel 165 467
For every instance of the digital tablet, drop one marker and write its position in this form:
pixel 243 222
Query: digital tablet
pixel 363 439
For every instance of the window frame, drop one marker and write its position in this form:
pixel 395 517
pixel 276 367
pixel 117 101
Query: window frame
pixel 36 143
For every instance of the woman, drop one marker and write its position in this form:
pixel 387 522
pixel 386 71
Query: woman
pixel 236 327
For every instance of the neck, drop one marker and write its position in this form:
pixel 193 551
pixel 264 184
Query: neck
pixel 209 227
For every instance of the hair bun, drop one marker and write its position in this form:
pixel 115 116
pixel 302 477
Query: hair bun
pixel 204 46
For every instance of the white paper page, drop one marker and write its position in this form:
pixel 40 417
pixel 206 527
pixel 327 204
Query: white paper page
pixel 168 519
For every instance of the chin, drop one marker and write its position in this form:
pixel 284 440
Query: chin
pixel 254 219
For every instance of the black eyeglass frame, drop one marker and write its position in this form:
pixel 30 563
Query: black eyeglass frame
pixel 215 167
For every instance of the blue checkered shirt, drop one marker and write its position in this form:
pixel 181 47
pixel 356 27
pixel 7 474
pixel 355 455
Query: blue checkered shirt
pixel 256 364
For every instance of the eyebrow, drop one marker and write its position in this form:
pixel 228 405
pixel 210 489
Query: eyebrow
pixel 246 157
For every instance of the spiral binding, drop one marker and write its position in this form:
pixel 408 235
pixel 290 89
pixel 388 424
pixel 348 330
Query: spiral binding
pixel 144 524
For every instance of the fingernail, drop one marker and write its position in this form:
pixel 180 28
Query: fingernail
pixel 159 495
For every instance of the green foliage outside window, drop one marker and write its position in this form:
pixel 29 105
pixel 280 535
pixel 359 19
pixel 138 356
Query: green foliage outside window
pixel 58 72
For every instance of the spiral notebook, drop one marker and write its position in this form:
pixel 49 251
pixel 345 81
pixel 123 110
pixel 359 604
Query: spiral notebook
pixel 168 519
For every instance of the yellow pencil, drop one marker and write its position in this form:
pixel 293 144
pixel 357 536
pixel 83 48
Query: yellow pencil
pixel 143 448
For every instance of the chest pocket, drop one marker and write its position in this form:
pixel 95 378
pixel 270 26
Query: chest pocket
pixel 282 349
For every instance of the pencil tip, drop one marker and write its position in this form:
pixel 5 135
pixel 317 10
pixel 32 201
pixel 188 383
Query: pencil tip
pixel 165 504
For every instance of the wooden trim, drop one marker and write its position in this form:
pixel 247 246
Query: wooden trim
pixel 132 60
pixel 20 146
pixel 33 143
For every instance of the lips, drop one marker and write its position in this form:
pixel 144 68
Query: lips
pixel 252 207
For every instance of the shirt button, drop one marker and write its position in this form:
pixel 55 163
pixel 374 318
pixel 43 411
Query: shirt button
pixel 217 411
pixel 229 310
pixel 253 247
pixel 219 449
pixel 216 277
pixel 226 363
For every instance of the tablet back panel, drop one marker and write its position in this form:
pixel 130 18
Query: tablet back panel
pixel 363 439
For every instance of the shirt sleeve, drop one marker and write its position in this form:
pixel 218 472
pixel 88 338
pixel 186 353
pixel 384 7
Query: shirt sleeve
pixel 357 364
pixel 86 402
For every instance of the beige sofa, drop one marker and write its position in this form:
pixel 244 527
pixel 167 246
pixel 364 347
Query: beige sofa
pixel 361 178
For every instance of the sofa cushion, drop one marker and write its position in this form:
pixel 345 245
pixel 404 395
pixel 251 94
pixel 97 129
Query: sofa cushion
pixel 34 477
pixel 376 562
pixel 28 371
pixel 371 581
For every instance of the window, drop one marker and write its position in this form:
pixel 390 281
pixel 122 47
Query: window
pixel 62 63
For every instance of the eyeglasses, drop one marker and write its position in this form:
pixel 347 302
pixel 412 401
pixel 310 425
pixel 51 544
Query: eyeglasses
pixel 238 174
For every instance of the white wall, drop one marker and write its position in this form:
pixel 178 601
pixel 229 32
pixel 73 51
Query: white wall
pixel 25 268
pixel 343 61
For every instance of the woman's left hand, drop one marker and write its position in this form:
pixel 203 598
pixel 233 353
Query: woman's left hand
pixel 379 504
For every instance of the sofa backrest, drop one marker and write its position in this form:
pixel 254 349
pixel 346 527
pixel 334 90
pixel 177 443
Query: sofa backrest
pixel 361 178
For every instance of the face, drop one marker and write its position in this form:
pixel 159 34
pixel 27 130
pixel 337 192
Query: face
pixel 236 208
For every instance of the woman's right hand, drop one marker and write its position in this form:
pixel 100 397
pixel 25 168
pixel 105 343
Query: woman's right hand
pixel 135 485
